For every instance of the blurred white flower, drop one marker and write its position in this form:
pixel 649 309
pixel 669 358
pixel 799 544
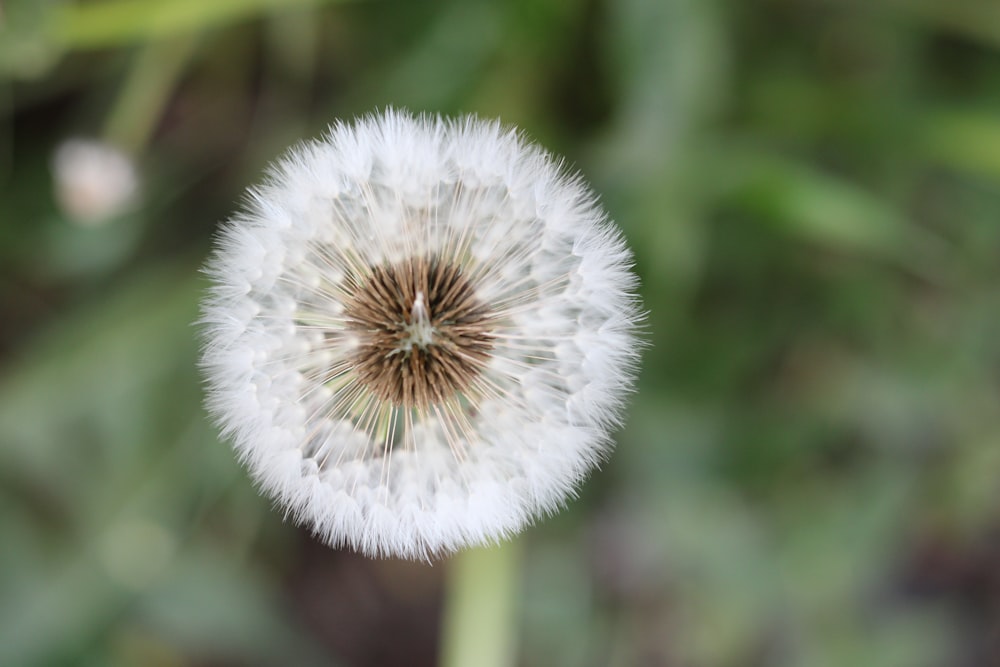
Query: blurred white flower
pixel 94 181
pixel 420 333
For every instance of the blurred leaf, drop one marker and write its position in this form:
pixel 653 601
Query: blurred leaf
pixel 417 78
pixel 25 50
pixel 815 206
pixel 963 140
pixel 669 60
pixel 979 19
pixel 114 22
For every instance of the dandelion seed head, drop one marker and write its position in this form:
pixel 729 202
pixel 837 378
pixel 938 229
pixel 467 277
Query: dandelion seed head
pixel 93 180
pixel 420 334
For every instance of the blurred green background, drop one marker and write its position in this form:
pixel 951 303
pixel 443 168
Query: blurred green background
pixel 810 474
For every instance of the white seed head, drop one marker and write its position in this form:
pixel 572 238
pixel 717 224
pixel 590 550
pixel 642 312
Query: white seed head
pixel 94 181
pixel 420 334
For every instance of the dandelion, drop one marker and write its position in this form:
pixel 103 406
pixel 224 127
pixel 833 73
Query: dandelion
pixel 420 334
pixel 94 181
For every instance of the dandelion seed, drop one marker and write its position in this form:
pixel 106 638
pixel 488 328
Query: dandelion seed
pixel 420 334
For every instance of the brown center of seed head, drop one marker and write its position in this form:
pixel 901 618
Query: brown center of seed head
pixel 423 336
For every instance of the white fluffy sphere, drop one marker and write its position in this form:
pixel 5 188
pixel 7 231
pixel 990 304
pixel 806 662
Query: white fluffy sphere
pixel 419 333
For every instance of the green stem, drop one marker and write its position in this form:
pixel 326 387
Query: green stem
pixel 479 617
pixel 144 93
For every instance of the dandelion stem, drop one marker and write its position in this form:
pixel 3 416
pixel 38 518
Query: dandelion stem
pixel 140 101
pixel 479 619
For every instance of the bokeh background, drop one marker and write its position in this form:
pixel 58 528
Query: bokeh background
pixel 810 473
